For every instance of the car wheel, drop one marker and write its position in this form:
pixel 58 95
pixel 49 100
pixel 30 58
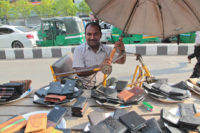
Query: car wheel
pixel 17 44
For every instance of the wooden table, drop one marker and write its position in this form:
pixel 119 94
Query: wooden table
pixel 26 105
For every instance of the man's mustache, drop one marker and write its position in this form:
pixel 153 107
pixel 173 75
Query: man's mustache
pixel 93 40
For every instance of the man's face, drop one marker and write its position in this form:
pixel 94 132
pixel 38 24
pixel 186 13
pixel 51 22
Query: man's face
pixel 93 36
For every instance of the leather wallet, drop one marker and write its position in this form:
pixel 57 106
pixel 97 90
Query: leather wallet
pixel 109 125
pixel 172 129
pixel 37 123
pixel 69 87
pixel 7 89
pixel 181 85
pixel 53 130
pixel 41 92
pixel 55 88
pixel 118 113
pixel 110 93
pixel 55 115
pixel 187 109
pixel 13 125
pixel 166 89
pixel 133 121
pixel 79 104
pixel 80 113
pixel 121 85
pixel 189 122
pixel 96 117
pixel 97 95
pixel 18 87
pixel 152 127
pixel 10 93
pixel 75 94
pixel 27 83
pixel 54 98
pixel 169 117
pixel 159 82
pixel 125 95
pixel 147 87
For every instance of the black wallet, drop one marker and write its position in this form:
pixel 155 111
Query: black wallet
pixel 181 85
pixel 121 85
pixel 111 93
pixel 55 115
pixel 79 104
pixel 187 109
pixel 152 127
pixel 69 87
pixel 55 88
pixel 109 125
pixel 19 87
pixel 118 113
pixel 133 121
pixel 169 117
pixel 41 92
pixel 96 117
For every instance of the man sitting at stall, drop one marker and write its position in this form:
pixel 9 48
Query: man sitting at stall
pixel 94 53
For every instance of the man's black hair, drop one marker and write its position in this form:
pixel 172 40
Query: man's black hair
pixel 93 24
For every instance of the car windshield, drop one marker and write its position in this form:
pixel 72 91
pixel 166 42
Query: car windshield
pixel 24 29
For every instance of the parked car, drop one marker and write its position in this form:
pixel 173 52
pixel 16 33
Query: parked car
pixel 17 37
pixel 106 32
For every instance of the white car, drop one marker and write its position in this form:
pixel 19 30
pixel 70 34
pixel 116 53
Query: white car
pixel 17 37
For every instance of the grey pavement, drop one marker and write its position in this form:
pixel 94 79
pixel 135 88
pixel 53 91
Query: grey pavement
pixel 175 68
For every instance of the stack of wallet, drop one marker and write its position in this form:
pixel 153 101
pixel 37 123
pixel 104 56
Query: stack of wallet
pixel 121 121
pixel 58 93
pixel 188 120
pixel 162 90
pixel 118 95
pixel 40 123
pixel 13 89
pixel 80 106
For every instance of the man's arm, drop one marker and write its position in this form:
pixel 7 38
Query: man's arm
pixel 83 72
pixel 120 46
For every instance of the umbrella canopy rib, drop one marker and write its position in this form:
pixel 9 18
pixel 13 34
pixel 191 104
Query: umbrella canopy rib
pixel 130 16
pixel 163 29
pixel 192 11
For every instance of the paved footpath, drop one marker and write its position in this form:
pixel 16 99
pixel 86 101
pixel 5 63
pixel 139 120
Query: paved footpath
pixel 175 68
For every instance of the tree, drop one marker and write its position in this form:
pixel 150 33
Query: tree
pixel 23 8
pixel 4 10
pixel 65 8
pixel 46 8
pixel 84 8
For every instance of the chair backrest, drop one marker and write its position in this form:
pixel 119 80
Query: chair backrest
pixel 64 64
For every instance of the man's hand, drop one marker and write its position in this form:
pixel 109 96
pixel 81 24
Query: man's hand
pixel 107 61
pixel 120 46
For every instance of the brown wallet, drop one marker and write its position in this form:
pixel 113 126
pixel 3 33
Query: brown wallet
pixel 125 95
pixel 54 98
pixel 13 125
pixel 26 82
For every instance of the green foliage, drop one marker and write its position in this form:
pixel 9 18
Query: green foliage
pixel 4 9
pixel 23 8
pixel 65 8
pixel 84 8
pixel 46 8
